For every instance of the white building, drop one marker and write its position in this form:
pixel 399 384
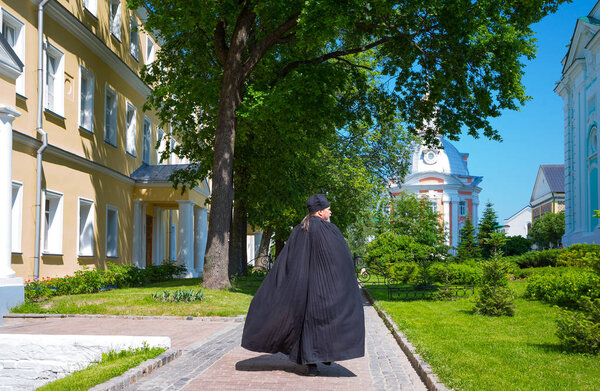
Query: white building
pixel 442 176
pixel 579 87
pixel 519 223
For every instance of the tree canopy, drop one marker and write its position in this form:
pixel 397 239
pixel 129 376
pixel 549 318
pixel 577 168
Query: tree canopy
pixel 547 230
pixel 449 63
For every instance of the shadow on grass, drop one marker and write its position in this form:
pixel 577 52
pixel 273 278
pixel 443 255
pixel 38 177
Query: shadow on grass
pixel 552 348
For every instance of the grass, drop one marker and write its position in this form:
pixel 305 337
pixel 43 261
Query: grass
pixel 112 365
pixel 138 301
pixel 475 352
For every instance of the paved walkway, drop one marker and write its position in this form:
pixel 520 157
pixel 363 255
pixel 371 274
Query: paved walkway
pixel 213 359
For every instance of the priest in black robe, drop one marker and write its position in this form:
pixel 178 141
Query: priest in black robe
pixel 309 306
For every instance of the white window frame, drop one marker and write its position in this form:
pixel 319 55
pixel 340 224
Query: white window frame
pixel 172 155
pixel 150 50
pixel 52 241
pixel 57 103
pixel 134 37
pixel 433 204
pixel 112 253
pixel 147 141
pixel 84 249
pixel 17 216
pixel 86 78
pixel 110 116
pixel 462 208
pixel 91 6
pixel 131 129
pixel 162 140
pixel 114 14
pixel 7 19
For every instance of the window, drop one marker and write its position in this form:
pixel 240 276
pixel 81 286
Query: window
pixel 55 79
pixel 14 33
pixel 134 41
pixel 86 228
pixel 53 220
pixel 17 216
pixel 161 145
pixel 433 204
pixel 131 129
pixel 112 229
pixel 91 6
pixel 110 117
pixel 150 50
pixel 147 142
pixel 86 100
pixel 172 156
pixel 462 208
pixel 115 18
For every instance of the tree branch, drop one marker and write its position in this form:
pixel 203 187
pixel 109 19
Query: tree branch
pixel 353 64
pixel 337 55
pixel 267 43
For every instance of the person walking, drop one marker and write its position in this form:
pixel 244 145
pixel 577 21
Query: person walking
pixel 309 305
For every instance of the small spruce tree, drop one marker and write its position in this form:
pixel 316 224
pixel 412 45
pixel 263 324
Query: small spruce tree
pixel 495 298
pixel 468 247
pixel 487 226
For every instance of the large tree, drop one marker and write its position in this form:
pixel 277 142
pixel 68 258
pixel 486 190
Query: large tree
pixel 450 62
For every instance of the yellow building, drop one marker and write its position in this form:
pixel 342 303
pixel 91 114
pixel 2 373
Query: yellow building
pixel 548 195
pixel 104 194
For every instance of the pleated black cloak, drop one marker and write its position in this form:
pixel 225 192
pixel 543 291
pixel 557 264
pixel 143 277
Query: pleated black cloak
pixel 309 305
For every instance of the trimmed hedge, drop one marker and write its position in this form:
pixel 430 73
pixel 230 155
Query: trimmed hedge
pixel 563 287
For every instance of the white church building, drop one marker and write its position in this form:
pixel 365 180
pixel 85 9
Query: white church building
pixel 579 87
pixel 443 177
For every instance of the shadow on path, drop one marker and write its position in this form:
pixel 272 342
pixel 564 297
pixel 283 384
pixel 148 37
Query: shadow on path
pixel 280 362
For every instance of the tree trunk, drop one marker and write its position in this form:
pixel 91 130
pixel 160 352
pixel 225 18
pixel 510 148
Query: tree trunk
pixel 263 249
pixel 238 257
pixel 217 246
pixel 279 243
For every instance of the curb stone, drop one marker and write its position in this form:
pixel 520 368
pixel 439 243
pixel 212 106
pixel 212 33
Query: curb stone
pixel 422 368
pixel 134 374
pixel 238 319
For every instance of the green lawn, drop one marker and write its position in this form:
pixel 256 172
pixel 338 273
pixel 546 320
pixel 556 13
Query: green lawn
pixel 110 366
pixel 475 352
pixel 138 301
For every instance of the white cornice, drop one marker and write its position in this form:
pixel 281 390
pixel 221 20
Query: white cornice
pixel 29 141
pixel 73 25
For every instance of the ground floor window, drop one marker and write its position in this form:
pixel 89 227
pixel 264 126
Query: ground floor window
pixel 53 221
pixel 86 228
pixel 112 225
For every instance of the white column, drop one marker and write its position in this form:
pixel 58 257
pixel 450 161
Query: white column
pixel 139 234
pixel 475 217
pixel 7 115
pixel 12 292
pixel 158 244
pixel 185 237
pixel 454 230
pixel 200 236
pixel 446 201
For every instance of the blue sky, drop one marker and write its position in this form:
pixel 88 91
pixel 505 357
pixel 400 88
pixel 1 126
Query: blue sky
pixel 533 135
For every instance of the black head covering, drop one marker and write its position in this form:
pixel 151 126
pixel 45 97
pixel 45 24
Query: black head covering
pixel 317 202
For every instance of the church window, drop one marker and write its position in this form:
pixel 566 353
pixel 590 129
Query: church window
pixel 592 171
pixel 433 205
pixel 462 208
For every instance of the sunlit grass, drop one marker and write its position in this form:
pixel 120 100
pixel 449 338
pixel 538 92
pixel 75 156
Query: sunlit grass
pixel 476 352
pixel 138 301
pixel 106 369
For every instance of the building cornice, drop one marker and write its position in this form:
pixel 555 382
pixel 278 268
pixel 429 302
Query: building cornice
pixel 74 26
pixel 53 150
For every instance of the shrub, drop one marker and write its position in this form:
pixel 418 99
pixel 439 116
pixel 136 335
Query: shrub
pixel 495 298
pixel 563 288
pixel 466 273
pixel 580 330
pixel 38 289
pixel 516 245
pixel 536 258
pixel 166 271
pixel 88 281
pixel 586 256
pixel 406 272
pixel 118 276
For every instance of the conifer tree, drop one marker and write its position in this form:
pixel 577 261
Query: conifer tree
pixel 468 247
pixel 487 225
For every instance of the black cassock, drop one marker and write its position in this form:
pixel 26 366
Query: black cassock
pixel 309 305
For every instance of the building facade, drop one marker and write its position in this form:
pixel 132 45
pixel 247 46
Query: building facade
pixel 579 88
pixel 104 194
pixel 442 176
pixel 548 195
pixel 519 223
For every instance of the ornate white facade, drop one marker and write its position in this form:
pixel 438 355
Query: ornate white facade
pixel 442 176
pixel 579 88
